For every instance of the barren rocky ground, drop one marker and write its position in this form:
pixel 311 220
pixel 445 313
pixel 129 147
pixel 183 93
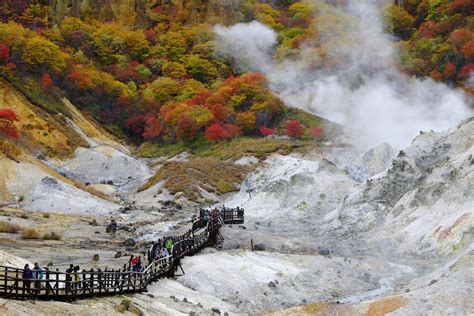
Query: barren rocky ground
pixel 336 231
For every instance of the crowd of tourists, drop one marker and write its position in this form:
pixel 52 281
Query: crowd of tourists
pixel 162 249
pixel 36 276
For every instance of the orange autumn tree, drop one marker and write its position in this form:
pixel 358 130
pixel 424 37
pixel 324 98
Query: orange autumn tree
pixel 7 119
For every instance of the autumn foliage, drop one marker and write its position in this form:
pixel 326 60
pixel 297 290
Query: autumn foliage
pixel 7 119
pixel 217 132
pixel 46 81
pixel 316 132
pixel 294 128
pixel 4 53
pixel 267 131
pixel 165 84
pixel 152 128
pixel 440 43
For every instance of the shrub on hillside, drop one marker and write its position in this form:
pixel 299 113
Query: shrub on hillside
pixel 9 228
pixel 30 233
pixel 7 119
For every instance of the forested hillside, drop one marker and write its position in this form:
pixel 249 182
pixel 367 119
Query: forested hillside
pixel 162 81
pixel 437 38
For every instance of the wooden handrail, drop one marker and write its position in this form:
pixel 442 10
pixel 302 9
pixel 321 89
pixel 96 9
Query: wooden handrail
pixel 58 285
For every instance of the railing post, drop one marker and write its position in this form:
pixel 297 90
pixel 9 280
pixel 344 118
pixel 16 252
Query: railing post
pixel 5 284
pixel 106 281
pixel 18 283
pixel 99 280
pixel 57 282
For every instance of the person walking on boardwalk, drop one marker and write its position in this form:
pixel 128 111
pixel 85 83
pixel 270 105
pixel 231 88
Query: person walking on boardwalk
pixel 164 252
pixel 27 276
pixel 133 262
pixel 77 278
pixel 169 244
pixel 138 265
pixel 69 276
pixel 37 275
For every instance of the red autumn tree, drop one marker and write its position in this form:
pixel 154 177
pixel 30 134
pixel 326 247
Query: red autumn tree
pixel 200 98
pixel 215 132
pixel 294 128
pixel 153 128
pixel 428 29
pixel 135 124
pixel 219 112
pixel 7 118
pixel 150 35
pixel 81 81
pixel 46 81
pixel 4 53
pixel 466 71
pixel 232 130
pixel 449 70
pixel 186 128
pixel 468 49
pixel 461 6
pixel 460 37
pixel 267 131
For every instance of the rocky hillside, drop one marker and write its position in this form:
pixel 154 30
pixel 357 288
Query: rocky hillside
pixel 413 217
pixel 62 163
pixel 141 13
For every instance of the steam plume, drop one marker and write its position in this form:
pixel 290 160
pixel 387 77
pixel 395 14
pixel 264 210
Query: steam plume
pixel 367 94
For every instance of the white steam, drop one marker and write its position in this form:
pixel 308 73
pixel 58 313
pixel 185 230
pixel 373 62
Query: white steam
pixel 367 94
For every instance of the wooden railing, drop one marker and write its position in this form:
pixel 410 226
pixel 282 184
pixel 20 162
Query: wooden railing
pixel 56 285
pixel 233 216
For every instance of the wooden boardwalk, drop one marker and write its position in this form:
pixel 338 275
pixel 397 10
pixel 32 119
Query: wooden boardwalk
pixel 56 285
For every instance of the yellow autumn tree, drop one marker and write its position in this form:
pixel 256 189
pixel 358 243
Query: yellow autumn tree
pixel 39 52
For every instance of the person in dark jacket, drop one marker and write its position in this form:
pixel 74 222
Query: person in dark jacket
pixel 27 276
pixel 69 276
pixel 138 265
